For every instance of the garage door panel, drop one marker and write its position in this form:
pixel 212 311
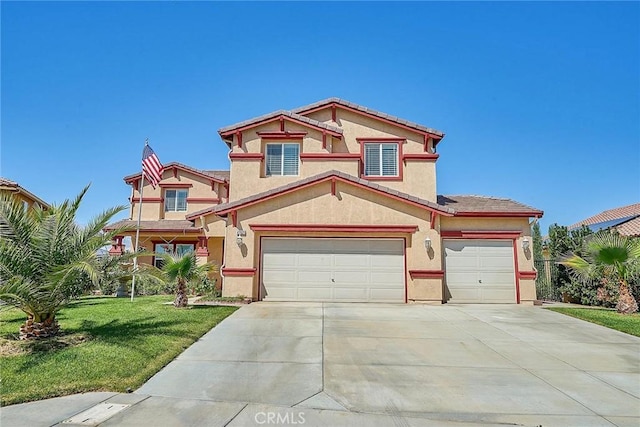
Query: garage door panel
pixel 333 269
pixel 480 271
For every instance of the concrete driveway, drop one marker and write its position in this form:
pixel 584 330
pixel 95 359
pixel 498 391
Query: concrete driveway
pixel 400 365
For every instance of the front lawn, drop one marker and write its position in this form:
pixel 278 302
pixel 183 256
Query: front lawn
pixel 628 323
pixel 109 344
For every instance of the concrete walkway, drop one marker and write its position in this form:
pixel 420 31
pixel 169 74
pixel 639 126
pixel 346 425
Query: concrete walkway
pixel 378 365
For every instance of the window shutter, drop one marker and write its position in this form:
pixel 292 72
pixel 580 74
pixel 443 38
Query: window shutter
pixel 372 159
pixel 389 159
pixel 291 158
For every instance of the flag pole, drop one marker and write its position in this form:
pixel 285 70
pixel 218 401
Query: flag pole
pixel 135 248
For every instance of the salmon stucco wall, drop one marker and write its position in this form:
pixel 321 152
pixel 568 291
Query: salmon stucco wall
pixel 316 205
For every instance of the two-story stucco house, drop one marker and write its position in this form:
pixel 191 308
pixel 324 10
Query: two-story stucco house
pixel 337 202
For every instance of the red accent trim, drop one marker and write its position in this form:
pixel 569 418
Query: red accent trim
pixel 246 156
pixel 336 228
pixel 281 124
pixel 175 184
pixel 283 117
pixel 461 234
pixel 234 218
pixel 531 275
pixel 398 141
pixel 433 220
pixel 329 156
pixel 333 112
pixel 406 282
pixel 239 138
pixel 116 246
pixel 148 199
pixel 420 156
pixel 426 274
pixel 239 272
pixel 536 214
pixel 175 172
pixel 394 123
pixel 202 249
pixel 203 199
pixel 170 230
pixel 324 140
pixel 333 187
pixel 426 143
pixel 133 179
pixel 337 178
pixel 371 139
pixel 516 269
pixel 282 135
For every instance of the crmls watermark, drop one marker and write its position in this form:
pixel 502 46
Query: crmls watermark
pixel 288 418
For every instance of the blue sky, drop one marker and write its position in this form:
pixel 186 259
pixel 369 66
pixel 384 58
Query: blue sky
pixel 540 102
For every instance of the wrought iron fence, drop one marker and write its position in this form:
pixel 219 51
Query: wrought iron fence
pixel 547 282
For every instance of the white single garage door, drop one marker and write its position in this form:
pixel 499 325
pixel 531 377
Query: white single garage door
pixel 479 271
pixel 341 270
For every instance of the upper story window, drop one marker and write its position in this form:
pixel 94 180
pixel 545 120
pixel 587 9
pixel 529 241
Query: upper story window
pixel 380 159
pixel 282 159
pixel 175 200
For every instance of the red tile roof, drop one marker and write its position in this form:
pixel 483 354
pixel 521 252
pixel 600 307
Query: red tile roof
pixel 487 206
pixel 609 215
pixel 366 110
pixel 221 208
pixel 222 176
pixel 630 228
pixel 273 115
pixel 13 186
pixel 162 225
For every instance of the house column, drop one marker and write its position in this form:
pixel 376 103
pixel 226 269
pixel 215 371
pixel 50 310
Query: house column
pixel 117 248
pixel 202 252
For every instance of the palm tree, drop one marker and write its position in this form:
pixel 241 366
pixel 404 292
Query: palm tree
pixel 44 254
pixel 183 269
pixel 609 257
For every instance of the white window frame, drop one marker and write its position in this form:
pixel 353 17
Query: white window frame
pixel 282 144
pixel 176 205
pixel 381 145
pixel 171 249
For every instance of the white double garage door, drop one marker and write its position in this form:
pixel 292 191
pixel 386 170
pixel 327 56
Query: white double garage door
pixel 373 270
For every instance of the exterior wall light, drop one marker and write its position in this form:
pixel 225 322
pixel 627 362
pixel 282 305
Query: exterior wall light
pixel 239 235
pixel 525 243
pixel 427 243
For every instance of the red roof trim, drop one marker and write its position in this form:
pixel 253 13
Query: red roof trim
pixel 426 274
pixel 277 118
pixel 328 178
pixel 479 234
pixel 530 214
pixel 336 228
pixel 373 116
pixel 203 199
pixel 133 178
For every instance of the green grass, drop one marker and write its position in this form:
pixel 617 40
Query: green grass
pixel 109 344
pixel 627 323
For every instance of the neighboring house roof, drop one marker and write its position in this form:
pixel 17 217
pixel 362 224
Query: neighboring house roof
pixel 162 225
pixel 223 208
pixel 220 176
pixel 229 130
pixel 624 219
pixel 487 206
pixel 12 186
pixel 368 111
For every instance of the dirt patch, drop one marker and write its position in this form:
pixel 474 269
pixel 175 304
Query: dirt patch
pixel 15 347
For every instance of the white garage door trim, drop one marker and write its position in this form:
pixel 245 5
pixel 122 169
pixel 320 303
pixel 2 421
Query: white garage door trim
pixel 342 260
pixel 492 260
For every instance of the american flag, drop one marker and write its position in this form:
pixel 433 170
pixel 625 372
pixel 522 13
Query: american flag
pixel 151 166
